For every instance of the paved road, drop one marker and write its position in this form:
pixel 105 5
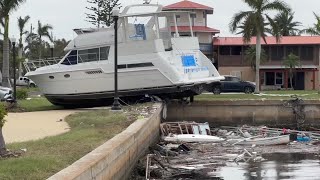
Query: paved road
pixel 35 125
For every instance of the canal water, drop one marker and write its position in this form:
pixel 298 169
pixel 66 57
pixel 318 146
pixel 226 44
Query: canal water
pixel 278 166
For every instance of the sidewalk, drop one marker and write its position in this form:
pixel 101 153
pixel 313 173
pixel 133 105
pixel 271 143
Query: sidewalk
pixel 35 125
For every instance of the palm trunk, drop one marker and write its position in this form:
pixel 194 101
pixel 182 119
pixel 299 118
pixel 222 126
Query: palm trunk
pixel 20 57
pixel 5 66
pixel 3 148
pixel 258 55
pixel 291 78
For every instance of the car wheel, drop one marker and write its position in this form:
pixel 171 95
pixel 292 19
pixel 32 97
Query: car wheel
pixel 248 90
pixel 32 85
pixel 216 90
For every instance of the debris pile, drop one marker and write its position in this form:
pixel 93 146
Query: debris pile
pixel 190 150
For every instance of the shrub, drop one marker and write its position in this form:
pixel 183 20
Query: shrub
pixel 3 113
pixel 22 94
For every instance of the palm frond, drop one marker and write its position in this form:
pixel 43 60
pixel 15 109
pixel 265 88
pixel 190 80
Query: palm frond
pixel 277 5
pixel 237 20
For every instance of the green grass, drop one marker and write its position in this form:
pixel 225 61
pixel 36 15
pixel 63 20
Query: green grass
pixel 267 95
pixel 35 104
pixel 48 156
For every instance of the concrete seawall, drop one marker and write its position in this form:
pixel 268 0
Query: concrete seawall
pixel 116 158
pixel 253 112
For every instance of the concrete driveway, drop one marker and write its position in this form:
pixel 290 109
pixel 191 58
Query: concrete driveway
pixel 35 125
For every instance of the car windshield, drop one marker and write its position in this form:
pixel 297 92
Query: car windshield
pixel 235 79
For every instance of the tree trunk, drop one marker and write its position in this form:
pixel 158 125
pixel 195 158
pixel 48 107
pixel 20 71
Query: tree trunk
pixel 5 66
pixel 2 143
pixel 20 57
pixel 291 77
pixel 258 55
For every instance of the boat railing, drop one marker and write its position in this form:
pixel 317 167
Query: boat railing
pixel 32 65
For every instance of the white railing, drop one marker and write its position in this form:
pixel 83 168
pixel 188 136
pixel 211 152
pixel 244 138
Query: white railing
pixel 32 65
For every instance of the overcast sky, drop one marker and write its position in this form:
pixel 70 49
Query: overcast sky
pixel 65 15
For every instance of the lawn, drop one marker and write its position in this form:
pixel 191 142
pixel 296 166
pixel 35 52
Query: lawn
pixel 35 104
pixel 268 95
pixel 48 156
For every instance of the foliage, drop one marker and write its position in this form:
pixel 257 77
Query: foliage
pixel 22 93
pixel 21 24
pixel 254 23
pixel 101 12
pixel 250 56
pixel 43 31
pixel 6 8
pixel 284 24
pixel 315 30
pixel 291 62
pixel 3 113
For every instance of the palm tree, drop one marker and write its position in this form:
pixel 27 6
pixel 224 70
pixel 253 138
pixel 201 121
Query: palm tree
pixel 43 31
pixel 291 62
pixel 6 8
pixel 315 30
pixel 254 23
pixel 250 56
pixel 3 113
pixel 285 24
pixel 21 24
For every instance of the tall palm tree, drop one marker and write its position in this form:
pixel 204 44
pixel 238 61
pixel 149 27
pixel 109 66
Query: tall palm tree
pixel 43 31
pixel 291 62
pixel 254 22
pixel 6 8
pixel 315 30
pixel 285 24
pixel 21 24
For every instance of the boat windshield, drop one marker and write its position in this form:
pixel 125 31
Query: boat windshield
pixel 87 55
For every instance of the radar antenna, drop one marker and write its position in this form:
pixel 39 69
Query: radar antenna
pixel 146 1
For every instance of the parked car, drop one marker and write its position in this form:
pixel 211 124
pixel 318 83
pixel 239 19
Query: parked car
pixel 5 93
pixel 24 81
pixel 234 84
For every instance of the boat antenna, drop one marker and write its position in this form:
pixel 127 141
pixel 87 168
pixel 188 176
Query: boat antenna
pixel 74 40
pixel 146 1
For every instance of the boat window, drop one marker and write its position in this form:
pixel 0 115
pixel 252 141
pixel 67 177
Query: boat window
pixel 104 53
pixel 71 59
pixel 88 55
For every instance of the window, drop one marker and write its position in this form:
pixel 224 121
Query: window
pixel 225 50
pixel 204 14
pixel 279 78
pixel 277 53
pixel 266 51
pixel 292 49
pixel 269 78
pixel 71 59
pixel 274 78
pixel 177 18
pixel 193 16
pixel 306 53
pixel 104 53
pixel 88 55
pixel 236 50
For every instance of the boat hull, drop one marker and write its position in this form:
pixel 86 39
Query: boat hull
pixel 193 138
pixel 268 141
pixel 128 96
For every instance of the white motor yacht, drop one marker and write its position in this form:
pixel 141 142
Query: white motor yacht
pixel 151 60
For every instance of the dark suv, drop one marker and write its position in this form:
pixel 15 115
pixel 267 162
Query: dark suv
pixel 234 84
